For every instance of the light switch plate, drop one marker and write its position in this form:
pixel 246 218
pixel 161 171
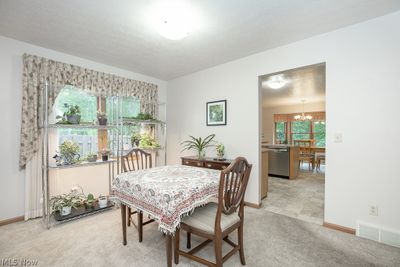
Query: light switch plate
pixel 338 138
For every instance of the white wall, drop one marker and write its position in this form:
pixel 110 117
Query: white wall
pixel 362 95
pixel 11 179
pixel 267 120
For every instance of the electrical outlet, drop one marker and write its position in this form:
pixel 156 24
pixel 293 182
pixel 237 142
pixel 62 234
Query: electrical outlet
pixel 373 210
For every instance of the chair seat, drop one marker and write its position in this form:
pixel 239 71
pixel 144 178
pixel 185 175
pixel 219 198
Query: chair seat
pixel 204 219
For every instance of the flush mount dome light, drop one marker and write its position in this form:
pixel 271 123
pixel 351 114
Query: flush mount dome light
pixel 276 82
pixel 174 20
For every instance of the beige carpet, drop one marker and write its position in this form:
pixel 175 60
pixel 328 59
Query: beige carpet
pixel 270 240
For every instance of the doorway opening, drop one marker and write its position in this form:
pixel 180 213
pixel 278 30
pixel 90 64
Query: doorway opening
pixel 293 123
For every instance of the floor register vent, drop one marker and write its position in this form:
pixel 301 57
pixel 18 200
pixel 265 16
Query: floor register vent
pixel 379 234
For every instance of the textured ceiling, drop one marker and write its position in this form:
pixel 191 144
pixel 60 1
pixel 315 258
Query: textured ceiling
pixel 118 33
pixel 306 83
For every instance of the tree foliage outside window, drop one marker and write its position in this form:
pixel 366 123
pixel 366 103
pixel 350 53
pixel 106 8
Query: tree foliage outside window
pixel 301 130
pixel 319 133
pixel 280 132
pixel 88 104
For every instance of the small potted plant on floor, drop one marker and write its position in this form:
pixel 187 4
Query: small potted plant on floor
pixel 65 202
pixel 135 139
pixel 90 201
pixel 102 118
pixel 103 201
pixel 104 154
pixel 69 152
pixel 198 144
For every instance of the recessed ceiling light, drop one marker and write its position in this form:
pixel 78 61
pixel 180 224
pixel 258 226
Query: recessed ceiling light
pixel 276 81
pixel 174 20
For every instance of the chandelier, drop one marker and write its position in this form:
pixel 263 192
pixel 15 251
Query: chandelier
pixel 302 116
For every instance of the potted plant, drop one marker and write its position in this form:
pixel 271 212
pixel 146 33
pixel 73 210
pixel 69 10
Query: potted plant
pixel 89 202
pixel 65 202
pixel 103 201
pixel 135 139
pixel 220 151
pixel 73 114
pixel 104 154
pixel 148 142
pixel 198 144
pixel 69 152
pixel 91 157
pixel 102 117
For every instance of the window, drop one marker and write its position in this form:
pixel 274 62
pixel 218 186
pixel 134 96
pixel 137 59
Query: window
pixel 280 132
pixel 92 140
pixel 319 133
pixel 301 130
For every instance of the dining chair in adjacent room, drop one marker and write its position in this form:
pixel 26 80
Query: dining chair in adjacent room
pixel 215 221
pixel 134 160
pixel 305 153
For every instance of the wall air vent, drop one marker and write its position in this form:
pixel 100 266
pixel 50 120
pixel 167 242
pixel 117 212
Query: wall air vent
pixel 379 234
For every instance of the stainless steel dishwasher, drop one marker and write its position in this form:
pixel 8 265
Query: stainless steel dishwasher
pixel 279 160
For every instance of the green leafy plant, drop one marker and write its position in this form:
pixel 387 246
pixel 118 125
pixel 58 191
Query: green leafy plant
pixel 69 152
pixel 101 115
pixel 135 139
pixel 143 116
pixel 90 200
pixel 71 199
pixel 220 150
pixel 198 144
pixel 147 141
pixel 91 157
pixel 71 116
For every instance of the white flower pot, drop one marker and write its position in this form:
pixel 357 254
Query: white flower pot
pixel 103 202
pixel 65 211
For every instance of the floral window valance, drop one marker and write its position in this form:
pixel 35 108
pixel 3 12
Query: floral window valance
pixel 38 70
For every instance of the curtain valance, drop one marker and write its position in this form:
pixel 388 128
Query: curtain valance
pixel 38 70
pixel 316 116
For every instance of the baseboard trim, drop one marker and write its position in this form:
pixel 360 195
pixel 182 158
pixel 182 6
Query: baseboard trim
pixel 252 205
pixel 12 220
pixel 340 228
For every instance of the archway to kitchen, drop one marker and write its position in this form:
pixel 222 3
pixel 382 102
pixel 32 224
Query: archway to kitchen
pixel 292 117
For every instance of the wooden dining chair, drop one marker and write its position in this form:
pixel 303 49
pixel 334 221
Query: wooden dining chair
pixel 216 221
pixel 305 152
pixel 134 160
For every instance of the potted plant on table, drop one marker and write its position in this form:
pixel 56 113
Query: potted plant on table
pixel 102 117
pixel 90 201
pixel 69 152
pixel 220 151
pixel 199 144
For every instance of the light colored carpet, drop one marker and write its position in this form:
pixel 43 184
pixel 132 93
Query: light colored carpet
pixel 301 198
pixel 270 240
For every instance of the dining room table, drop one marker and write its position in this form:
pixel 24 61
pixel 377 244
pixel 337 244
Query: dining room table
pixel 166 194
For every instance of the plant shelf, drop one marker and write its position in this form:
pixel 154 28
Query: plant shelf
pixel 81 212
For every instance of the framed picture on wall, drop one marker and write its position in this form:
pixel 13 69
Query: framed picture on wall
pixel 216 113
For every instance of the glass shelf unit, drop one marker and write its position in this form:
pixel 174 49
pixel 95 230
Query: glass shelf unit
pixel 82 164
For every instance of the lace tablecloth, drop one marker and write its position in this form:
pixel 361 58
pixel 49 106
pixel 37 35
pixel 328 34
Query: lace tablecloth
pixel 166 193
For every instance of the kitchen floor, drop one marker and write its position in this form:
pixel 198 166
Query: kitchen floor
pixel 301 198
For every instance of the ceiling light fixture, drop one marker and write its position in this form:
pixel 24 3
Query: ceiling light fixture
pixel 276 82
pixel 302 116
pixel 174 20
